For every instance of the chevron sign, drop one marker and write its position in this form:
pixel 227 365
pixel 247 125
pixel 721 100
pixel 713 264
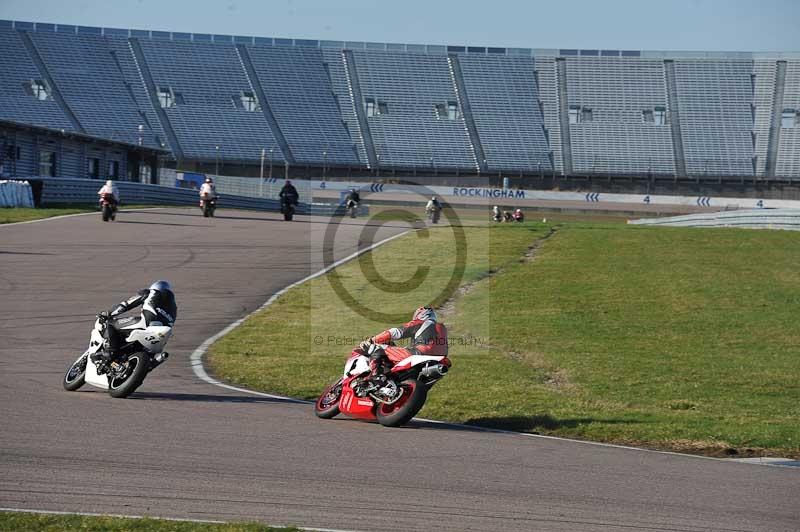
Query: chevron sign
pixel 593 197
pixel 376 187
pixel 703 201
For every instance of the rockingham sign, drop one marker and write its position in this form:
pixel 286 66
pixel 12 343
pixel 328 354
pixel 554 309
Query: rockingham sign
pixel 487 192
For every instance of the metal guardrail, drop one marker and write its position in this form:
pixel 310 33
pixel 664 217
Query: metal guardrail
pixel 64 190
pixel 754 219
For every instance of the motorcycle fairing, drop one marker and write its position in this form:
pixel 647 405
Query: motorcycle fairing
pixel 415 360
pixel 353 406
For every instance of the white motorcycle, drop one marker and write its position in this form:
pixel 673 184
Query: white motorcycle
pixel 142 352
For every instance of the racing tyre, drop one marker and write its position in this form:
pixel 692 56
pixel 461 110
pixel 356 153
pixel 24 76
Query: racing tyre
pixel 138 366
pixel 401 412
pixel 75 377
pixel 106 213
pixel 327 406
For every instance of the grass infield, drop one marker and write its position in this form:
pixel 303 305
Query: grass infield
pixel 59 522
pixel 667 338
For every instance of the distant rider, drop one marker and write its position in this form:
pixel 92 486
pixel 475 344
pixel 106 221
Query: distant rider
pixel 518 216
pixel 428 338
pixel 110 188
pixel 353 196
pixel 496 215
pixel 433 205
pixel 158 308
pixel 208 190
pixel 289 194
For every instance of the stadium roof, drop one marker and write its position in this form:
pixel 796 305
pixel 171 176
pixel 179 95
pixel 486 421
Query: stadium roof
pixel 397 47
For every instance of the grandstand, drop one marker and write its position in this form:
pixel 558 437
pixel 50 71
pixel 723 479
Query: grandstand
pixel 362 108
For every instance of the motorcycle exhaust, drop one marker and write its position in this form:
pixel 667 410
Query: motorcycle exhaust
pixel 159 359
pixel 434 372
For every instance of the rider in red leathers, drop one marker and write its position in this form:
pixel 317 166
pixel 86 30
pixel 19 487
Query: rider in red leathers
pixel 429 338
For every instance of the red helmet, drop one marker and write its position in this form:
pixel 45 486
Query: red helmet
pixel 424 314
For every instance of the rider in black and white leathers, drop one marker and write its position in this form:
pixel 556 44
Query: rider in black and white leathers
pixel 158 308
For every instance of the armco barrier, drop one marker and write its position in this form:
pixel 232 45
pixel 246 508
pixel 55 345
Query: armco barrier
pixel 754 219
pixel 62 190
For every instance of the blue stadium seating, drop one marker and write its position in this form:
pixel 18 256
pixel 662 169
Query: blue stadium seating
pixel 721 113
pixel 618 140
pixel 505 103
pixel 298 90
pixel 91 81
pixel 410 134
pixel 716 116
pixel 16 69
pixel 209 77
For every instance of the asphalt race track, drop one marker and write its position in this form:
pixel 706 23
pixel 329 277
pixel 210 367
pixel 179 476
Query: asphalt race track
pixel 183 448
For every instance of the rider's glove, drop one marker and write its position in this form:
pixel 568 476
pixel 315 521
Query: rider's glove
pixel 364 346
pixel 103 316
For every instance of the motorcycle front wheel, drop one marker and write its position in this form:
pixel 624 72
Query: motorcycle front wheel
pixel 137 366
pixel 413 399
pixel 75 377
pixel 106 212
pixel 327 406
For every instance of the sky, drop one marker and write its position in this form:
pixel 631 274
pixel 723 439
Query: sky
pixel 712 25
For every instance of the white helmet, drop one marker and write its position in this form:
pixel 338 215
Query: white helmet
pixel 424 314
pixel 161 286
pixel 109 183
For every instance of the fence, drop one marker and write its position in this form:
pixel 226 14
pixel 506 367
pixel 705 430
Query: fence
pixel 754 219
pixel 62 191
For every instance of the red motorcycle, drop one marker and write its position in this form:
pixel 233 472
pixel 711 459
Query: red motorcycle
pixel 108 206
pixel 393 402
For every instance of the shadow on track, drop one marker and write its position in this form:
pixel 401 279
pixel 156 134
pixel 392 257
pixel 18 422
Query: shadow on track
pixel 545 421
pixel 203 398
pixel 152 223
pixel 22 253
pixel 306 219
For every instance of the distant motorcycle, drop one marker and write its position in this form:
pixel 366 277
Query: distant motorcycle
pixel 108 207
pixel 352 208
pixel 287 208
pixel 392 403
pixel 208 205
pixel 142 352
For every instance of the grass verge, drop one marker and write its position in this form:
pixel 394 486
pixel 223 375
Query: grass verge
pixel 24 214
pixel 59 522
pixel 669 338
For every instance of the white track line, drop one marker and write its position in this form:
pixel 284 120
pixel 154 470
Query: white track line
pixel 62 216
pixel 188 520
pixel 196 360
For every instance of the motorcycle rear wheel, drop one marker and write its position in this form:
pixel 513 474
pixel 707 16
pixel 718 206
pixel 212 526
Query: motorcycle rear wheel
pixel 133 378
pixel 106 213
pixel 327 405
pixel 75 377
pixel 413 399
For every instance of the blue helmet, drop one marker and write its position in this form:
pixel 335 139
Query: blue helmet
pixel 161 286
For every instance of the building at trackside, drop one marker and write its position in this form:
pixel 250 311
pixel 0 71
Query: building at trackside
pixel 35 151
pixel 237 104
